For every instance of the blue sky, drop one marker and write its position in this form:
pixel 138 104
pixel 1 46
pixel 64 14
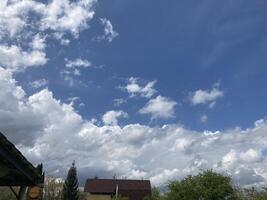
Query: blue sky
pixel 184 45
pixel 196 66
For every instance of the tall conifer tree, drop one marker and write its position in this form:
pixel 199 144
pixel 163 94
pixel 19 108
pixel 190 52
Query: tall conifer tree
pixel 70 187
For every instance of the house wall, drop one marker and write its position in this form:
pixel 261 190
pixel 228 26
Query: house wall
pixel 98 197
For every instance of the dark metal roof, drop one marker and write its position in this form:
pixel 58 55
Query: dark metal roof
pixel 15 169
pixel 133 189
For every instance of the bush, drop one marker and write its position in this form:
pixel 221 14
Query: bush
pixel 155 194
pixel 207 185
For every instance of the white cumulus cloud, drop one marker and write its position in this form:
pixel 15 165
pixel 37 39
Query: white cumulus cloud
pixel 159 107
pixel 111 117
pixel 38 42
pixel 64 15
pixel 26 24
pixel 134 88
pixel 206 96
pixel 16 59
pixel 52 132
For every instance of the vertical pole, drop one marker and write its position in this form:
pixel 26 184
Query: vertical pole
pixel 117 191
pixel 22 192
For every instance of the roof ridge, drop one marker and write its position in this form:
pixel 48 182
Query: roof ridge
pixel 118 179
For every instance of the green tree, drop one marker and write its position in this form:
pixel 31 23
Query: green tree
pixel 82 195
pixel 207 185
pixel 70 187
pixel 155 194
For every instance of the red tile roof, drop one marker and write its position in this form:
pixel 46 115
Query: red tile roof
pixel 133 189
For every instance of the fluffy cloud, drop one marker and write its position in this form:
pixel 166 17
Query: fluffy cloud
pixel 14 16
pixel 63 15
pixel 16 115
pixel 109 33
pixel 38 42
pixel 16 59
pixel 251 155
pixel 159 107
pixel 134 88
pixel 111 117
pixel 206 96
pixel 25 23
pixel 50 131
pixel 165 176
pixel 57 15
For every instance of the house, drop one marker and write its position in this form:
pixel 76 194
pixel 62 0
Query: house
pixel 106 189
pixel 16 170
